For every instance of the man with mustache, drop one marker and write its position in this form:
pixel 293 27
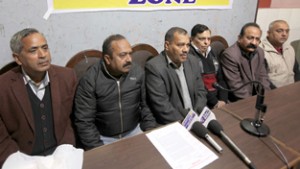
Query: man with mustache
pixel 282 67
pixel 110 101
pixel 244 62
pixel 173 80
pixel 36 99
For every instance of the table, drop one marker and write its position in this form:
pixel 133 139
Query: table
pixel 133 153
pixel 282 118
pixel 260 151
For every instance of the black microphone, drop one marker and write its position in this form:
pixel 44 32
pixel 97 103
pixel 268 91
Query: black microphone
pixel 215 127
pixel 199 130
pixel 253 126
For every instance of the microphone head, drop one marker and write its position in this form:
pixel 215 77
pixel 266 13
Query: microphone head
pixel 199 129
pixel 215 127
pixel 216 85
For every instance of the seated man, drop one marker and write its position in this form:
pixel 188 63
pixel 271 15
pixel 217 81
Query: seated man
pixel 209 59
pixel 296 46
pixel 36 99
pixel 243 62
pixel 173 80
pixel 110 101
pixel 282 67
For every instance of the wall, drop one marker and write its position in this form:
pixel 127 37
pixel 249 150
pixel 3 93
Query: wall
pixel 270 10
pixel 70 33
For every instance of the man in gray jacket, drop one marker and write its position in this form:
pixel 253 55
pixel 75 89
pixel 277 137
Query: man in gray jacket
pixel 110 99
pixel 173 80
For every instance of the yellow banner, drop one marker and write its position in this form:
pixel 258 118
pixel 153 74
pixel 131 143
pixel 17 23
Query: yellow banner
pixel 136 4
pixel 64 6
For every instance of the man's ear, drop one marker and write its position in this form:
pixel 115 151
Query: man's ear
pixel 16 58
pixel 239 38
pixel 167 43
pixel 107 59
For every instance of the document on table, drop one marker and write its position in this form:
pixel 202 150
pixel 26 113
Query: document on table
pixel 180 148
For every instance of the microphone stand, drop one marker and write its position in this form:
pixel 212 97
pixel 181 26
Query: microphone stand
pixel 254 126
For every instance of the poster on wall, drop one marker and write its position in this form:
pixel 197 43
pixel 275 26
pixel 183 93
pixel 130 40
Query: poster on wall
pixel 279 4
pixel 66 6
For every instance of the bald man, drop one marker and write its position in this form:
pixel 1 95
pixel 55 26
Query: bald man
pixel 280 58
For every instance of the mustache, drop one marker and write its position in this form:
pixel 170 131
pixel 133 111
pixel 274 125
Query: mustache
pixel 251 46
pixel 127 64
pixel 43 60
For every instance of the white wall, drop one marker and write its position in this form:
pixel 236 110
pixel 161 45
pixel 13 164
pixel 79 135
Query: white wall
pixel 265 16
pixel 70 33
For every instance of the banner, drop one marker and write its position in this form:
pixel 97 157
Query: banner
pixel 64 6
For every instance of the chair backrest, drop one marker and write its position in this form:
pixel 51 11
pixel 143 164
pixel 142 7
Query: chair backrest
pixel 220 39
pixel 8 67
pixel 142 52
pixel 219 44
pixel 83 60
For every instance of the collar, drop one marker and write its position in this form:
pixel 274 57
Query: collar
pixel 27 79
pixel 173 65
pixel 247 55
pixel 199 52
pixel 110 75
pixel 279 49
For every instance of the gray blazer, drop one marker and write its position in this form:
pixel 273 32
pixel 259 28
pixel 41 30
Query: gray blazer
pixel 164 92
pixel 296 46
pixel 238 70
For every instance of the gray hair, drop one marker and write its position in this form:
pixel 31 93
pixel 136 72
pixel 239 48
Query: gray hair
pixel 276 21
pixel 16 44
pixel 170 33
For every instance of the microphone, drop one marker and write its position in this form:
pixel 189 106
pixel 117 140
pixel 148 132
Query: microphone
pixel 191 122
pixel 206 116
pixel 199 130
pixel 253 126
pixel 218 86
pixel 215 127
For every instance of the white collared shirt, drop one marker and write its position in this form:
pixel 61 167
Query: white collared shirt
pixel 198 50
pixel 38 89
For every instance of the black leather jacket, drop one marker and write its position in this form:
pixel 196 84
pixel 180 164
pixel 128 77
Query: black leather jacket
pixel 107 106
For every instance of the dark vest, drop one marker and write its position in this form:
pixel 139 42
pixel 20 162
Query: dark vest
pixel 45 141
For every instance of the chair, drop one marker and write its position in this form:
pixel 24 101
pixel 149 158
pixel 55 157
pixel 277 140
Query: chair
pixel 142 52
pixel 8 67
pixel 219 38
pixel 83 60
pixel 219 44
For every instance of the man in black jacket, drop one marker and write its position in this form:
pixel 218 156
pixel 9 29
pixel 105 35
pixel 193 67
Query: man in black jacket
pixel 110 99
pixel 209 61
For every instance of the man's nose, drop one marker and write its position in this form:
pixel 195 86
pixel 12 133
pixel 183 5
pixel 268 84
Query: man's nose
pixel 41 53
pixel 128 57
pixel 186 48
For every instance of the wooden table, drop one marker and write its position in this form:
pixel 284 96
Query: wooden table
pixel 131 153
pixel 282 117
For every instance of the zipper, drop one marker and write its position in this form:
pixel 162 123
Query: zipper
pixel 120 107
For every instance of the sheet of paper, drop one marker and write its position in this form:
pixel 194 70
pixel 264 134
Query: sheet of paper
pixel 180 148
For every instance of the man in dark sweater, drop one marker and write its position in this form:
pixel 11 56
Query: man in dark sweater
pixel 36 99
pixel 209 61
